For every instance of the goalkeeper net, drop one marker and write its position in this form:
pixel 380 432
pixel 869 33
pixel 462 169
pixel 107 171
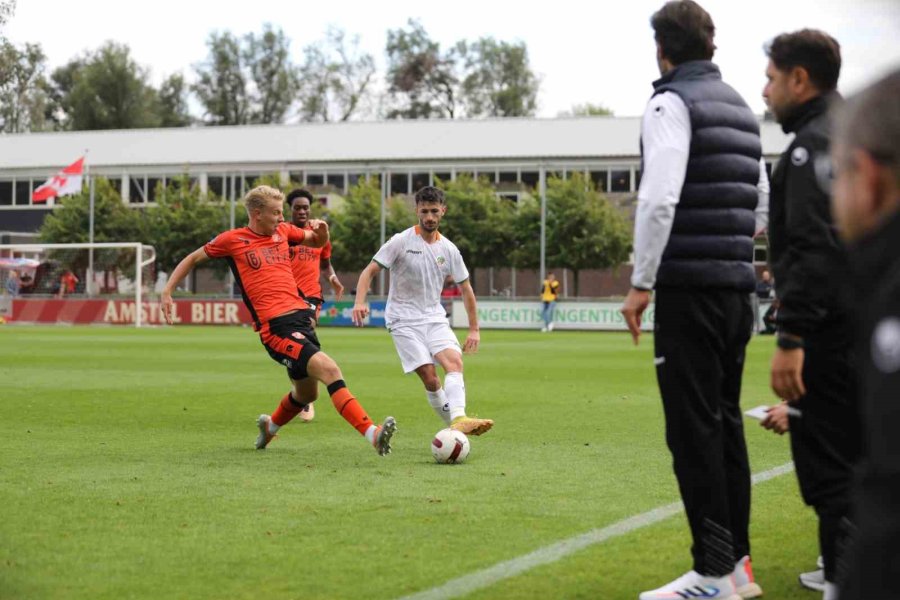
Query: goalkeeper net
pixel 77 283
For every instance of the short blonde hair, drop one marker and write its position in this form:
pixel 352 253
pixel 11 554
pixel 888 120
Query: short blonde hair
pixel 258 197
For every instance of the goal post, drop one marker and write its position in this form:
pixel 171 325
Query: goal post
pixel 77 258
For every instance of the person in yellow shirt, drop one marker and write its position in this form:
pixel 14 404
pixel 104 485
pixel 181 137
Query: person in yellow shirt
pixel 549 294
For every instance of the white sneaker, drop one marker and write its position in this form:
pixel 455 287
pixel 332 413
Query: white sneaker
pixel 550 327
pixel 694 585
pixel 744 582
pixel 813 580
pixel 830 592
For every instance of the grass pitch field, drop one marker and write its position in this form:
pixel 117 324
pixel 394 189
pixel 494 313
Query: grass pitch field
pixel 128 471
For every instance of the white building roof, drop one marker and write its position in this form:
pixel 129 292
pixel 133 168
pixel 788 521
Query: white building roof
pixel 518 139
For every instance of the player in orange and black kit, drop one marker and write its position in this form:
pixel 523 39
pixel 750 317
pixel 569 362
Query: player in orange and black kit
pixel 259 257
pixel 308 264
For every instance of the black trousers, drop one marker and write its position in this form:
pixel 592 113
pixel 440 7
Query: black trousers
pixel 825 438
pixel 700 339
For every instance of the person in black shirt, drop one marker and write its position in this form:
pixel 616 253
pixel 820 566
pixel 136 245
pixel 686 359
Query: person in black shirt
pixel 812 367
pixel 867 211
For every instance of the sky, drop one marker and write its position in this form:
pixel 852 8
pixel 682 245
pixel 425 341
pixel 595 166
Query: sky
pixel 600 52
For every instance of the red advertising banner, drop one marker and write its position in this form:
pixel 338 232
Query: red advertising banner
pixel 123 312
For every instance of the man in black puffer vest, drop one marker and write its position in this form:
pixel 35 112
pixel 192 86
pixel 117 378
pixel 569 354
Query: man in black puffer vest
pixel 703 196
pixel 812 368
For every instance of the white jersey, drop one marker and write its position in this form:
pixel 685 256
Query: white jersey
pixel 418 271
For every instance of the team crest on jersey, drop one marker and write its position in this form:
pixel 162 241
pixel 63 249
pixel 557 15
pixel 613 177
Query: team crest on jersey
pixel 440 260
pixel 253 259
pixel 277 238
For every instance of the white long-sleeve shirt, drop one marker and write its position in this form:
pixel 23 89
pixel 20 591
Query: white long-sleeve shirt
pixel 666 139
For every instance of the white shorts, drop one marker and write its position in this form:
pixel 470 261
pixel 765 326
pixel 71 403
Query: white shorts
pixel 417 344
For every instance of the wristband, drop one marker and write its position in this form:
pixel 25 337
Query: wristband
pixel 788 342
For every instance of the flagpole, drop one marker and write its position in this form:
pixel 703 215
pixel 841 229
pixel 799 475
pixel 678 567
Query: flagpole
pixel 89 287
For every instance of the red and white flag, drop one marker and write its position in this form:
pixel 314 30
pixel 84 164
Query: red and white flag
pixel 64 183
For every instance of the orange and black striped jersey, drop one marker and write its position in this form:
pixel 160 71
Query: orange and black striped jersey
pixel 262 267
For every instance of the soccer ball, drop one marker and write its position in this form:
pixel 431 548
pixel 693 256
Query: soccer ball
pixel 450 446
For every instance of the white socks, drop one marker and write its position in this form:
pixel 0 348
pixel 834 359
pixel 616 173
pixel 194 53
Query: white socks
pixel 455 388
pixel 439 404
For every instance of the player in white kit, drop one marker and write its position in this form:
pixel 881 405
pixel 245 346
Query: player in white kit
pixel 420 259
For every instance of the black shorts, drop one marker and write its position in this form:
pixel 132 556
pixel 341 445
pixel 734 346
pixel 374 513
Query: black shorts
pixel 291 341
pixel 316 304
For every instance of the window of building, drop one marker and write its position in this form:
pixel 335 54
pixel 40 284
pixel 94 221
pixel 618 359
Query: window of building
pixel 508 177
pixel 247 182
pixel 137 193
pixel 511 196
pixel 556 174
pixel 444 176
pixel 600 180
pixel 215 185
pixel 621 181
pixel 6 193
pixel 399 183
pixel 336 180
pixel 296 176
pixel 23 192
pixel 420 180
pixel 531 178
pixel 353 179
pixel 488 174
pixel 315 179
pixel 116 183
pixel 154 184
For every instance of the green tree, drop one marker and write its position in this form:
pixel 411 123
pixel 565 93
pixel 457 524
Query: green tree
pixel 355 228
pixel 422 80
pixel 182 221
pixel 478 222
pixel 105 89
pixel 221 83
pixel 587 110
pixel 7 8
pixel 335 78
pixel 583 230
pixel 173 103
pixel 267 57
pixel 500 82
pixel 23 89
pixel 69 223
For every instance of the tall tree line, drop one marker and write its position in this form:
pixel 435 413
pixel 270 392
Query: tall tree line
pixel 254 78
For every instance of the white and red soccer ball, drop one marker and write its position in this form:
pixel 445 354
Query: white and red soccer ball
pixel 450 446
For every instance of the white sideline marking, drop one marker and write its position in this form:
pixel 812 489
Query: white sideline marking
pixel 554 552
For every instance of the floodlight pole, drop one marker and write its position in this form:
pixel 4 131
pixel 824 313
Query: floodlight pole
pixel 543 190
pixel 89 284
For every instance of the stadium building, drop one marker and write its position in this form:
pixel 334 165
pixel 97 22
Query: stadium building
pixel 329 158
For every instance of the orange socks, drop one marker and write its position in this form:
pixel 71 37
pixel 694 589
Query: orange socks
pixel 287 410
pixel 347 406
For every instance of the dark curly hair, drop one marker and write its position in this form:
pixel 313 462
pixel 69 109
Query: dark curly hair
pixel 430 194
pixel 299 193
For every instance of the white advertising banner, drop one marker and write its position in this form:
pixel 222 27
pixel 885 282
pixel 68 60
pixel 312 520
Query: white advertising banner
pixel 588 316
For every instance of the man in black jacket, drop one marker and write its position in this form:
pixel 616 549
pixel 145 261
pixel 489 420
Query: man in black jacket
pixel 812 364
pixel 698 209
pixel 867 210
